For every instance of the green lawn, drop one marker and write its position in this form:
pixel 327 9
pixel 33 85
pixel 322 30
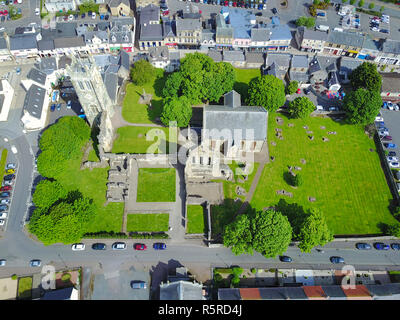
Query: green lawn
pixel 243 77
pixel 3 162
pixel 134 112
pixel 196 219
pixel 25 288
pixel 133 140
pixel 156 185
pixel 343 175
pixel 151 222
pixel 92 184
pixel 93 156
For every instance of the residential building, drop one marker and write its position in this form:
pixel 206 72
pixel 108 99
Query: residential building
pixel 389 54
pixel 224 33
pixel 140 4
pixel 235 58
pixel 347 44
pixel 299 69
pixel 60 5
pixel 150 15
pixel 241 22
pixel 230 132
pixel 390 90
pixel 150 36
pixel 122 35
pixel 254 59
pixel 169 33
pixel 207 39
pixel 280 38
pixel 161 57
pixel 120 8
pixel 277 64
pixel 188 33
pixel 347 65
pixel 320 68
pixel 260 39
pixel 191 12
pixel 369 50
pixel 216 55
pixel 23 46
pixel 310 40
pixel 5 54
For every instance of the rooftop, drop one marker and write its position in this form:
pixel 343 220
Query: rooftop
pixel 346 38
pixel 390 82
pixel 34 99
pixel 37 76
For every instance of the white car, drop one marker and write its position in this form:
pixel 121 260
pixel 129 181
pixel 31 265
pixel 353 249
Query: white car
pixel 3 215
pixel 11 166
pixel 93 15
pixel 2 222
pixel 37 11
pixel 2 262
pixel 70 17
pixel 7 182
pixel 378 118
pixel 14 149
pixel 5 201
pixel 119 246
pixel 394 164
pixel 390 159
pixel 396 107
pixel 78 247
pixel 319 108
pixel 375 29
pixel 333 108
pixel 390 107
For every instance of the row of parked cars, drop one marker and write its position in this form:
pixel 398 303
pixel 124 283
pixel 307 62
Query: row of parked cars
pixel 248 4
pixel 5 191
pixel 118 246
pixel 386 139
pixel 376 21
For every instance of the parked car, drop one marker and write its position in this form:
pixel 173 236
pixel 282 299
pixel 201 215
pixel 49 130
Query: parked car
pixel 78 247
pixel 392 154
pixel 5 194
pixel 375 29
pixel 379 117
pixel 390 145
pixel 118 246
pixel 321 14
pixel 140 246
pixel 70 17
pixel 274 11
pixel 9 177
pixel 35 263
pixel 383 132
pixel 11 166
pixel 307 90
pixel 52 107
pixel 387 138
pixel 390 159
pixel 395 246
pixel 285 259
pixel 384 30
pixel 394 164
pixel 363 246
pixel 83 15
pixel 3 207
pixel 333 109
pixel 99 246
pixel 138 284
pixel 5 188
pixel 3 262
pixel 69 104
pixel 159 246
pixel 10 171
pixel 5 201
pixel 397 175
pixel 3 215
pixel 37 11
pixel 381 246
pixel 2 222
pixel 336 259
pixel 58 106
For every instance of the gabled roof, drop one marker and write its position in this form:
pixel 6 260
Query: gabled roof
pixel 233 56
pixel 181 290
pixel 348 65
pixel 151 32
pixel 281 32
pixel 333 78
pixel 124 60
pixel 229 294
pixel 299 61
pixel 260 34
pixel 149 13
pixel 37 76
pixel 232 99
pixel 116 3
pixel 391 46
pixel 45 44
pixel 23 42
pixel 111 83
pixel 69 42
pixel 47 65
pixel 34 99
pixel 250 294
pixel 187 24
pixel 216 55
pixel 280 60
pixel 312 34
pixel 254 57
pixel 346 38
pixel 334 292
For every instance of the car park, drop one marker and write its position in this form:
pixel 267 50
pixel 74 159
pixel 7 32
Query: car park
pixel 285 259
pixel 381 246
pixel 5 194
pixel 363 246
pixel 99 246
pixel 140 246
pixel 118 246
pixel 394 164
pixel 336 260
pixel 159 246
pixel 35 263
pixel 138 284
pixel 395 246
pixel 78 247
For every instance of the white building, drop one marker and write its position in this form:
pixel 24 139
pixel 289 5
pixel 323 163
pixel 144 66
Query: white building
pixel 6 96
pixel 60 5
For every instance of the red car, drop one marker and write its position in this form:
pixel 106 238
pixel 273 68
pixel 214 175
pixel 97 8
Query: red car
pixel 140 246
pixel 6 188
pixel 5 12
pixel 234 4
pixel 165 13
pixel 226 3
pixel 298 90
pixel 1 13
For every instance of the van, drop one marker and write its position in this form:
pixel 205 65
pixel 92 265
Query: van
pixel 322 28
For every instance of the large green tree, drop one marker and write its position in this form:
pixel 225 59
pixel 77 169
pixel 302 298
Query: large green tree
pixel 172 87
pixel 142 72
pixel 292 87
pixel 177 109
pixel 219 81
pixel 237 235
pixel 48 192
pixel 272 233
pixel 362 106
pixel 307 22
pixel 314 232
pixel 266 91
pixel 301 107
pixel 366 76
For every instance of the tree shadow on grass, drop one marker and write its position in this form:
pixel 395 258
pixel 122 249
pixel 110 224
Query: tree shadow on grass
pixel 288 178
pixel 295 214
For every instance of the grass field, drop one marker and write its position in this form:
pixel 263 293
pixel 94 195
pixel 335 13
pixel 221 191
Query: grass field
pixel 343 175
pixel 243 77
pixel 133 140
pixel 151 222
pixel 93 156
pixel 196 219
pixel 134 112
pixel 3 162
pixel 156 185
pixel 92 184
pixel 25 288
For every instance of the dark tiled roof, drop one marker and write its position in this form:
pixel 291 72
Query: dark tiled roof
pixel 37 76
pixel 34 99
pixel 229 294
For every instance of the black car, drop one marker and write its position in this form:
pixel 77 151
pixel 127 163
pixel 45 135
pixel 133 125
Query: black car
pixel 395 246
pixel 99 246
pixel 363 246
pixel 392 154
pixel 259 14
pixel 5 194
pixel 384 30
pixel 274 11
pixel 307 90
pixel 9 177
pixel 83 15
pixel 89 13
pixel 76 16
pixel 285 259
pixel 336 259
pixel 246 5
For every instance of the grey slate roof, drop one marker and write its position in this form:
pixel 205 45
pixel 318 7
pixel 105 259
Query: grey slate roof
pixel 348 65
pixel 69 42
pixel 276 293
pixel 181 290
pixel 64 61
pixel 228 118
pixel 45 44
pixel 345 38
pixel 215 55
pixel 391 46
pixel 281 32
pixel 370 43
pixel 187 24
pixel 47 65
pixel 334 292
pixel 116 3
pixel 23 42
pixel 37 76
pixel 232 99
pixel 390 82
pixel 207 35
pixel 255 57
pixel 149 13
pixel 312 34
pixel 298 76
pixel 233 56
pixel 60 294
pixel 300 61
pixel 3 43
pixel 333 79
pixel 151 32
pixel 169 28
pixel 66 29
pixel 260 34
pixel 124 60
pixel 111 83
pixel 159 53
pixel 281 60
pixel 229 294
pixel 34 99
pixel 314 66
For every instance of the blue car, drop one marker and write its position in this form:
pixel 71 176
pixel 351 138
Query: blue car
pixel 159 246
pixel 381 246
pixel 52 107
pixel 321 14
pixel 380 124
pixel 82 116
pixel 337 260
pixel 390 145
pixel 395 246
pixel 59 107
pixel 363 246
pixel 260 7
pixel 285 259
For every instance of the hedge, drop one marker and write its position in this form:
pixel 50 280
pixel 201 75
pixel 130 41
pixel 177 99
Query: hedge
pixel 106 234
pixel 136 235
pixel 371 12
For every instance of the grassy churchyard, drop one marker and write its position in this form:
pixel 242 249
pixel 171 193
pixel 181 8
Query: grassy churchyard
pixel 156 185
pixel 196 219
pixel 343 174
pixel 147 222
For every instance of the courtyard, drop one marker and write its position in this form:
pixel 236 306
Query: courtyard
pixel 156 185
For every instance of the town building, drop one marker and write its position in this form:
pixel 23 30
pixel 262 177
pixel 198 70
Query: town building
pixel 188 33
pixel 24 46
pixel 5 54
pixel 60 5
pixel 299 69
pixel 390 90
pixel 310 40
pixel 389 53
pixel 120 8
pixel 280 38
pixel 347 44
pixel 162 57
pixel 277 64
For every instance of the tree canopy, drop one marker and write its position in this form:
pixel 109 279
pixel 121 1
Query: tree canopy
pixel 301 107
pixel 266 91
pixel 48 192
pixel 238 235
pixel 142 72
pixel 177 109
pixel 308 22
pixel 362 106
pixel 292 87
pixel 314 232
pixel 366 76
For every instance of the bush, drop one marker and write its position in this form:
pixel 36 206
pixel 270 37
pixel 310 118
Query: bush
pixel 136 235
pixel 105 234
pixel 370 12
pixel 361 3
pixel 253 270
pixel 371 6
pixel 14 277
pixel 217 277
pixel 352 2
pixel 66 277
pixel 292 87
pixel 237 271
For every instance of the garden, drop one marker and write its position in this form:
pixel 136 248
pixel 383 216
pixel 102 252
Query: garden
pixel 25 288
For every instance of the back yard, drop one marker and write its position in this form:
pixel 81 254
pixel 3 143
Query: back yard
pixel 343 174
